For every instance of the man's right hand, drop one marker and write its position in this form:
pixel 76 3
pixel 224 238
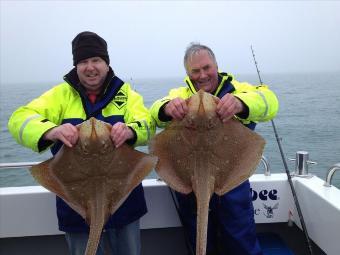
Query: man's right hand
pixel 66 133
pixel 176 108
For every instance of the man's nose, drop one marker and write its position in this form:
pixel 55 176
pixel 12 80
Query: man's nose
pixel 89 66
pixel 203 74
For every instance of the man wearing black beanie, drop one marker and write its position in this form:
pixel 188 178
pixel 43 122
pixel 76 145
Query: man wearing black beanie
pixel 87 45
pixel 90 89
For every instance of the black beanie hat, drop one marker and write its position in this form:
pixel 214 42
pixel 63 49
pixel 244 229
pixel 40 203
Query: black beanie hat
pixel 87 45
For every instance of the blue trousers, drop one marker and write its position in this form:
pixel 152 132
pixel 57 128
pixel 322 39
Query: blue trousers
pixel 231 226
pixel 121 241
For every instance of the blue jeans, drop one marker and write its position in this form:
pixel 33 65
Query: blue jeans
pixel 121 241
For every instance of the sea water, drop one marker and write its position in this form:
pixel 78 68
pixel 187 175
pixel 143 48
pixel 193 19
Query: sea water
pixel 308 120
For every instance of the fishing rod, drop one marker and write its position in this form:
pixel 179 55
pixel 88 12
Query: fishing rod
pixel 296 201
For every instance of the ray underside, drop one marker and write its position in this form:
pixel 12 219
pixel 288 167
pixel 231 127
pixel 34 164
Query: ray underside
pixel 205 156
pixel 94 182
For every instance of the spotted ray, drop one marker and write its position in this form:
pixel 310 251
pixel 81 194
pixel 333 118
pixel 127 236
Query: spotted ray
pixel 94 178
pixel 201 154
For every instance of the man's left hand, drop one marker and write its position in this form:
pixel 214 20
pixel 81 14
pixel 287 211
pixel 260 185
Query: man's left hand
pixel 120 132
pixel 228 106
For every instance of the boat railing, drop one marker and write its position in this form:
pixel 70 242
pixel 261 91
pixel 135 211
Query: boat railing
pixel 264 162
pixel 17 165
pixel 266 165
pixel 330 174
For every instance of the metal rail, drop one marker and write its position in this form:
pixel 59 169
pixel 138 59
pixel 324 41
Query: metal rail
pixel 330 173
pixel 17 165
pixel 266 166
pixel 264 161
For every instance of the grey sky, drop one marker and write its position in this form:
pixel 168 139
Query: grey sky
pixel 147 38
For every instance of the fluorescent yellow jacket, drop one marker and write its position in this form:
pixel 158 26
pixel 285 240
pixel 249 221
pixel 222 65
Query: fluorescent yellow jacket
pixel 261 102
pixel 68 103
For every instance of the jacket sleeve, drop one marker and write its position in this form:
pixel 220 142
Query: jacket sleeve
pixel 28 123
pixel 156 107
pixel 138 118
pixel 262 103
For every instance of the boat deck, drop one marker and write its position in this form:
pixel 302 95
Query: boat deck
pixel 165 241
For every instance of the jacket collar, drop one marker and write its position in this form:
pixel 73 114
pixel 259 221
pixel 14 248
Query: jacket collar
pixel 222 79
pixel 72 79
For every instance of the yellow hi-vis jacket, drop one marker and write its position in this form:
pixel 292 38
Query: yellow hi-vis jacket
pixel 261 102
pixel 66 104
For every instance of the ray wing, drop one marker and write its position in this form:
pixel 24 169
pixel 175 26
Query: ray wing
pixel 236 156
pixel 175 166
pixel 134 166
pixel 42 174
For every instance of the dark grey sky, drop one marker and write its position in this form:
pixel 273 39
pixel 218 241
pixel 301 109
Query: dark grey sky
pixel 148 38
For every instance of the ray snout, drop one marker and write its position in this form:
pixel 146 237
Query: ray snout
pixel 94 135
pixel 95 127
